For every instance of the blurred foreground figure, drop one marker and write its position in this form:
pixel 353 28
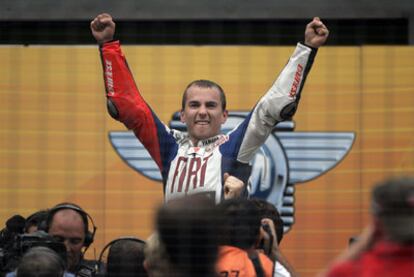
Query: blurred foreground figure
pixel 41 262
pixel 156 259
pixel 386 246
pixel 188 230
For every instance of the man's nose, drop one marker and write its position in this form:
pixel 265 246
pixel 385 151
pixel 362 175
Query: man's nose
pixel 67 245
pixel 202 110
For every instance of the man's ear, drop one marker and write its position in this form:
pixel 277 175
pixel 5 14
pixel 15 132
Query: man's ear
pixel 225 116
pixel 182 116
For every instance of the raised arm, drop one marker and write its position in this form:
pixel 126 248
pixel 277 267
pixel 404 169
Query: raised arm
pixel 124 100
pixel 281 100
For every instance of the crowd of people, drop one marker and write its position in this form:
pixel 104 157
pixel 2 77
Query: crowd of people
pixel 237 237
pixel 208 226
pixel 206 240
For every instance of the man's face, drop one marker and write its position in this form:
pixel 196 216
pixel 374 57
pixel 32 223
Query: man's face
pixel 67 226
pixel 203 113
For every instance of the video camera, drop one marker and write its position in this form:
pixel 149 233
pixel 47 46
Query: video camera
pixel 14 243
pixel 11 254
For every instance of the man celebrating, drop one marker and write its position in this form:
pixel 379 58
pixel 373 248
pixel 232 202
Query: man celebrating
pixel 202 160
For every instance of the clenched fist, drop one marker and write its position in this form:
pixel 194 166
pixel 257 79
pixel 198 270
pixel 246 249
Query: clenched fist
pixel 316 33
pixel 103 28
pixel 233 187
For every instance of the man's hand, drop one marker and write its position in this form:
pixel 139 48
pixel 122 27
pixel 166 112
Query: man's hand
pixel 233 187
pixel 271 246
pixel 316 33
pixel 268 236
pixel 365 241
pixel 369 236
pixel 103 28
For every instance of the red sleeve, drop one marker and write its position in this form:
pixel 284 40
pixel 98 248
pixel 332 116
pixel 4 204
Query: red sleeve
pixel 123 93
pixel 344 269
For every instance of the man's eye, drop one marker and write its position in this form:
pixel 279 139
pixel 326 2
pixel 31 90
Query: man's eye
pixel 211 105
pixel 75 241
pixel 58 238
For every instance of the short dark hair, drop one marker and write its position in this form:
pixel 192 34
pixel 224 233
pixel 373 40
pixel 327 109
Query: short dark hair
pixel 125 258
pixel 268 210
pixel 241 221
pixel 205 84
pixel 393 204
pixel 188 229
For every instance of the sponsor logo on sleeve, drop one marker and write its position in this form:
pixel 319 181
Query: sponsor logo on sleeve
pixel 296 81
pixel 109 78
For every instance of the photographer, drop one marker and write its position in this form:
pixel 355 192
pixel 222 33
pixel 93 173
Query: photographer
pixel 271 234
pixel 22 245
pixel 241 234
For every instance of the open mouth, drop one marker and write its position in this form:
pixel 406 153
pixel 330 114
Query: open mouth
pixel 202 122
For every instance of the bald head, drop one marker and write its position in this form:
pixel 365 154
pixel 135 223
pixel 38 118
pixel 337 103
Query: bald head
pixel 68 226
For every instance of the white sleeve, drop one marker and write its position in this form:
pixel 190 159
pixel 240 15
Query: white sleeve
pixel 279 103
pixel 280 271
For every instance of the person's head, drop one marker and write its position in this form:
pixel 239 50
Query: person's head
pixel 68 223
pixel 40 262
pixel 189 231
pixel 268 210
pixel 241 223
pixel 126 258
pixel 203 109
pixel 156 259
pixel 393 208
pixel 34 220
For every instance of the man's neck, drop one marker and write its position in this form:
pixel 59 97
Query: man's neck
pixel 204 142
pixel 194 141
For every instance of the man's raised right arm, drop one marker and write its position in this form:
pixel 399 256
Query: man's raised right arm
pixel 124 100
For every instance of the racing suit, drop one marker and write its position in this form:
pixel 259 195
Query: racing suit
pixel 187 168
